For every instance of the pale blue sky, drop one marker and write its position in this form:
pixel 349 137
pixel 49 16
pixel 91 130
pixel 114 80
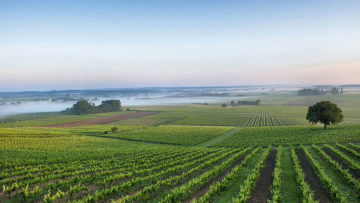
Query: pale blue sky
pixel 65 44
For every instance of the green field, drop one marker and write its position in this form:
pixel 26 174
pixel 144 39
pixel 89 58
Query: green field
pixel 45 119
pixel 143 122
pixel 188 153
pixel 180 135
pixel 253 136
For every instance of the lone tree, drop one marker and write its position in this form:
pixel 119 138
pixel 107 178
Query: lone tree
pixel 324 112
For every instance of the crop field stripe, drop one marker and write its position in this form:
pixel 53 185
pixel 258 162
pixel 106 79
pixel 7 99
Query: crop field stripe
pixel 133 175
pixel 236 119
pixel 157 167
pixel 346 188
pixel 98 175
pixel 354 146
pixel 132 184
pixel 204 189
pixel 277 177
pixel 250 182
pixel 350 162
pixel 169 182
pixel 14 166
pixel 349 150
pixel 350 179
pixel 85 178
pixel 36 179
pixel 61 174
pixel 107 178
pixel 261 191
pixel 224 183
pixel 184 191
pixel 306 194
pixel 79 168
pixel 329 185
pixel 341 162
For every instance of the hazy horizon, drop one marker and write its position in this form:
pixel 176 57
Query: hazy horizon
pixel 179 86
pixel 57 45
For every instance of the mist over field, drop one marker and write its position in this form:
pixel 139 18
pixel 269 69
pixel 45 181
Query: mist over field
pixel 28 102
pixel 55 101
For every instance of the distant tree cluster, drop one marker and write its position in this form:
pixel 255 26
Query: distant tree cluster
pixel 314 92
pixel 233 103
pixel 256 102
pixel 84 107
pixel 199 103
pixel 109 106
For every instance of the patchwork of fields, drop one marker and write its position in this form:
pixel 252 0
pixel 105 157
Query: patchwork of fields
pixel 180 154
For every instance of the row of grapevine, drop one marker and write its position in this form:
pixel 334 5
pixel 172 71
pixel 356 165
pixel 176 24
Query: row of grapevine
pixel 224 183
pixel 306 193
pixel 237 119
pixel 276 185
pixel 105 173
pixel 326 181
pixel 349 150
pixel 247 187
pixel 350 179
pixel 351 163
pixel 176 174
pixel 41 178
pixel 168 176
pixel 180 193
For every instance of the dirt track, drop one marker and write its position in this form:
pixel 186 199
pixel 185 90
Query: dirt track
pixel 103 120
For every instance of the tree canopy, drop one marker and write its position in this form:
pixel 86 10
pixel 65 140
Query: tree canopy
pixel 324 112
pixel 84 107
pixel 110 105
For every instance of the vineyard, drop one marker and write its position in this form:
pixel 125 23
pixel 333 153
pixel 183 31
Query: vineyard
pixel 240 119
pixel 180 154
pixel 92 169
pixel 290 135
pixel 229 119
pixel 180 135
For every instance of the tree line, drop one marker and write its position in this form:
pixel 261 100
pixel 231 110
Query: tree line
pixel 84 107
pixel 233 103
pixel 316 91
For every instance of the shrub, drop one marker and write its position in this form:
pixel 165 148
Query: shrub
pixel 114 129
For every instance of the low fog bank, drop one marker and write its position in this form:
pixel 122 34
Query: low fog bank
pixel 54 101
pixel 48 106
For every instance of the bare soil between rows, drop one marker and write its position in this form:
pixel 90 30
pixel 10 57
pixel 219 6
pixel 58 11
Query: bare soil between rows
pixel 354 148
pixel 103 120
pixel 202 191
pixel 341 162
pixel 261 191
pixel 310 177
